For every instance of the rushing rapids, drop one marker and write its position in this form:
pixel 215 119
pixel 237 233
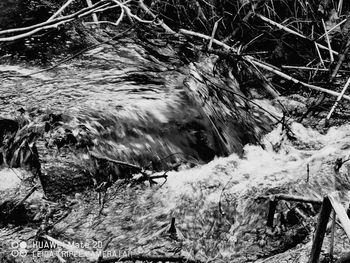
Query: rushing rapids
pixel 134 107
pixel 134 104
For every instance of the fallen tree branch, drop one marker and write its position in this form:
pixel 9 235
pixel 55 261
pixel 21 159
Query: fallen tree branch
pixel 200 35
pixel 6 39
pixel 98 156
pixel 27 34
pixel 75 15
pixel 263 65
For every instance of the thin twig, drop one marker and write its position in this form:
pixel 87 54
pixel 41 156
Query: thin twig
pixel 332 28
pixel 64 18
pixel 130 165
pixel 160 22
pixel 282 27
pixel 213 33
pixel 338 100
pixel 94 16
pixel 263 65
pixel 319 55
pixel 310 69
pixel 328 42
pixel 60 10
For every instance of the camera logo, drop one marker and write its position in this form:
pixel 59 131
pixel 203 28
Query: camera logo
pixel 19 249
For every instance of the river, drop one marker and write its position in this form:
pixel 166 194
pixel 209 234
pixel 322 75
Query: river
pixel 137 107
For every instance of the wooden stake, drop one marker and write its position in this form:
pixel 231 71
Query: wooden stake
pixel 331 248
pixel 271 214
pixel 320 230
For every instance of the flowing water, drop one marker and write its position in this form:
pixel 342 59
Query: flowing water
pixel 135 107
